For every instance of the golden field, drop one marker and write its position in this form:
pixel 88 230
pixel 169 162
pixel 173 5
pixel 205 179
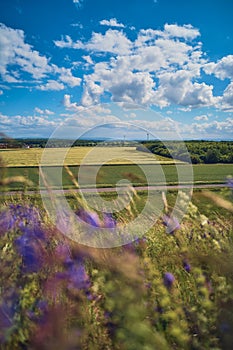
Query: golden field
pixel 76 155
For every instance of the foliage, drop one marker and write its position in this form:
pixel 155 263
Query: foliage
pixel 198 151
pixel 171 289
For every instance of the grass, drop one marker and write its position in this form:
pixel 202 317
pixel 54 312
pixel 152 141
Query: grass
pixel 109 175
pixel 116 298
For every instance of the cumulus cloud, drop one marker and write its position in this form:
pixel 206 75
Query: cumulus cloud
pixel 69 105
pixel 51 85
pixel 186 31
pixel 159 67
pixel 201 117
pixel 111 23
pixel 43 111
pixel 223 69
pixel 20 121
pixel 14 51
pixel 112 41
pixel 226 101
pixel 18 57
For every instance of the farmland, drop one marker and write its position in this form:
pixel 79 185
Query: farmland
pixel 75 155
pixel 118 163
pixel 109 175
pixel 169 287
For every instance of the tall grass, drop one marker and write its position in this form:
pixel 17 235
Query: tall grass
pixel 171 289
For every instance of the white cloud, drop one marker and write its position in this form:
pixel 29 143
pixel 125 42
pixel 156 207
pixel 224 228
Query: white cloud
pixel 43 111
pixel 223 69
pixel 201 117
pixel 14 51
pixel 20 121
pixel 178 88
pixel 215 128
pixel 186 31
pixel 168 56
pixel 111 23
pixel 88 59
pixel 66 77
pixel 18 57
pixel 226 102
pixel 112 41
pixel 1 92
pixel 51 85
pixel 71 106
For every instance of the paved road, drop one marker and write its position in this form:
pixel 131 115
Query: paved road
pixel 113 189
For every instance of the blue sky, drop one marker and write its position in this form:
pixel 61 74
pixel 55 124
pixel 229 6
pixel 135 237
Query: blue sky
pixel 94 62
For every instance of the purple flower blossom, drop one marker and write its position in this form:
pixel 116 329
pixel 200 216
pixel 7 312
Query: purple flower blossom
pixel 108 221
pixel 230 182
pixel 29 247
pixel 186 266
pixel 78 278
pixel 89 217
pixel 168 279
pixel 18 217
pixel 172 224
pixel 8 307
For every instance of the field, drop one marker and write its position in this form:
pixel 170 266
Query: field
pixel 170 289
pixel 111 282
pixel 97 155
pixel 109 175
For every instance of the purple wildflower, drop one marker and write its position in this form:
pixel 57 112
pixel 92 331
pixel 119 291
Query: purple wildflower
pixel 89 217
pixel 8 308
pixel 78 277
pixel 172 224
pixel 30 258
pixel 29 247
pixel 230 182
pixel 168 279
pixel 186 266
pixel 108 221
pixel 18 217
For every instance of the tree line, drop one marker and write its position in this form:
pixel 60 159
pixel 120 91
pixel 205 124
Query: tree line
pixel 207 152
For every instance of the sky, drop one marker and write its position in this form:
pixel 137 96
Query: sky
pixel 164 67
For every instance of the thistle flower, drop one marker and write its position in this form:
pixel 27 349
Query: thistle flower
pixel 172 224
pixel 168 280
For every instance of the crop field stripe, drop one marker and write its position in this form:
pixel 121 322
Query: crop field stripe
pixel 109 175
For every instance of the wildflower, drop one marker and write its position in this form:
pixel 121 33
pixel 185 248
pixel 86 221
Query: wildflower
pixel 8 309
pixel 78 277
pixel 229 182
pixel 29 247
pixel 108 221
pixel 89 217
pixel 168 279
pixel 172 224
pixel 30 256
pixel 186 266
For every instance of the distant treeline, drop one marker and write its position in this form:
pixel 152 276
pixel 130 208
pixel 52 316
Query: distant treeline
pixel 42 143
pixel 207 152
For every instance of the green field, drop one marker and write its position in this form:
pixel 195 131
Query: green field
pixel 109 175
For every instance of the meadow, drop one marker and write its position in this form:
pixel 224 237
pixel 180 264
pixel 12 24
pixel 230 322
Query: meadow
pixel 170 288
pixel 109 175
